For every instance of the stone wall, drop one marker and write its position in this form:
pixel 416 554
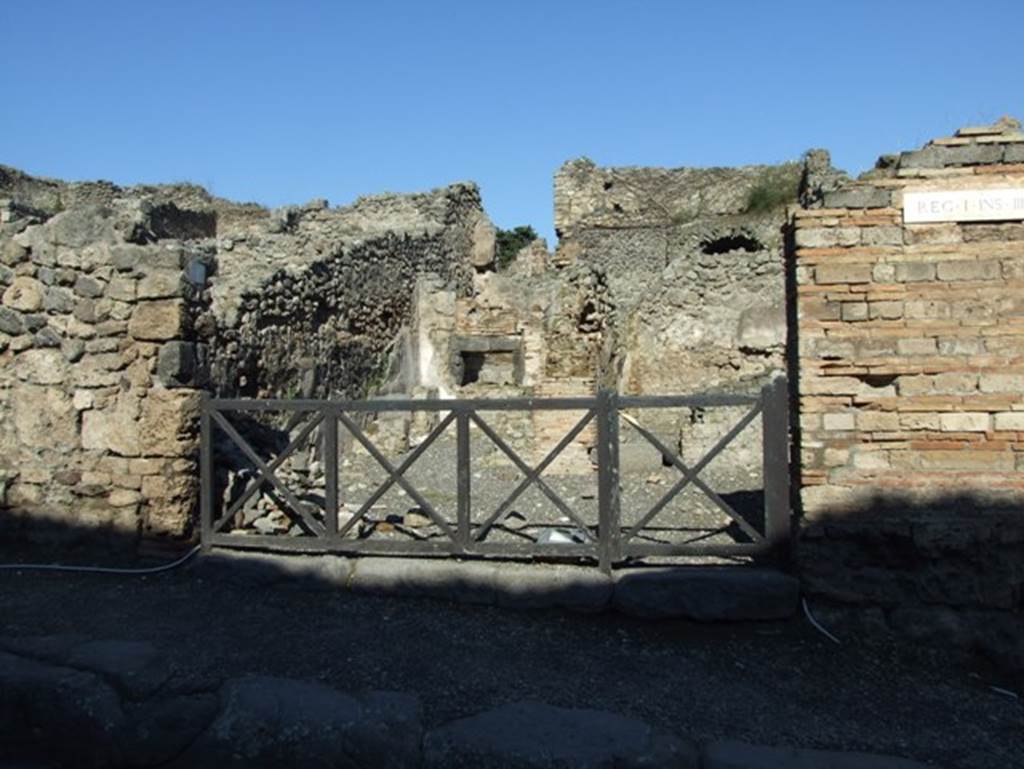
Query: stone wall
pixel 121 306
pixel 98 434
pixel 694 263
pixel 312 302
pixel 910 377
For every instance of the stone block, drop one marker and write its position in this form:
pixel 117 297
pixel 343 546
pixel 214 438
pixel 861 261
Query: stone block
pixel 161 284
pixel 176 364
pixel 158 320
pixel 929 157
pixel 934 234
pixel 973 154
pixel 1010 420
pixel 169 423
pixel 41 366
pixel 24 294
pixel 72 349
pixel 567 587
pixel 11 322
pixel 44 418
pixel 858 197
pixel 878 421
pixel 1001 383
pixel 706 593
pixel 88 287
pixel 969 270
pixel 763 327
pixel 122 289
pixel 146 466
pixel 12 253
pixel 816 237
pixel 47 337
pixel 955 382
pixel 58 301
pixel 882 236
pixel 919 421
pixel 982 232
pixel 965 422
pixel 469 582
pixel 886 310
pixel 870 460
pixel 483 244
pixel 914 272
pixel 965 460
pixel 114 428
pixel 842 273
pixel 918 346
pixel 836 457
pixel 130 257
pixel 854 311
pixel 927 309
pixel 121 497
pixel 842 421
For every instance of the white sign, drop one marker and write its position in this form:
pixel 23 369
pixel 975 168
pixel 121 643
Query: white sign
pixel 964 205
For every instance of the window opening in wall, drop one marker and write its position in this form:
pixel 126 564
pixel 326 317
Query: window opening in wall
pixel 734 242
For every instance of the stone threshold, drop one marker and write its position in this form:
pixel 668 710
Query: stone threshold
pixel 703 593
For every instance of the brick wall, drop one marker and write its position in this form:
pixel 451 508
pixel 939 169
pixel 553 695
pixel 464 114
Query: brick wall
pixel 910 382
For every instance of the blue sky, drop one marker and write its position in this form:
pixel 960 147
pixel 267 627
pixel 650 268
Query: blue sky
pixel 280 102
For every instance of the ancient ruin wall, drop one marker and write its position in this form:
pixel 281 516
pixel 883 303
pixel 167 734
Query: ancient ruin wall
pixel 120 306
pixel 911 392
pixel 312 302
pixel 694 264
pixel 98 433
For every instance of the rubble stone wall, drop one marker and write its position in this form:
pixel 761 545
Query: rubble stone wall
pixel 313 303
pixel 120 307
pixel 99 433
pixel 694 265
pixel 910 380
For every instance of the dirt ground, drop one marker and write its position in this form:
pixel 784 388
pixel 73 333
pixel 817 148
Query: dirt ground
pixel 770 683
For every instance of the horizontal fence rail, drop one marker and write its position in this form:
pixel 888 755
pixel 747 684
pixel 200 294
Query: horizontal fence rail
pixel 608 542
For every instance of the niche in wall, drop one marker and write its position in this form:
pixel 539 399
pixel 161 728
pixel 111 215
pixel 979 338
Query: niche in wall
pixel 487 360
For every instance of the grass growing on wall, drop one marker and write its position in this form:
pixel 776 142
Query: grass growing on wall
pixel 774 188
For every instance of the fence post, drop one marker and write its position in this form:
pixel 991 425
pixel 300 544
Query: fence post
pixel 463 476
pixel 608 527
pixel 330 425
pixel 205 473
pixel 775 423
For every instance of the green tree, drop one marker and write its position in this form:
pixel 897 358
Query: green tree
pixel 508 243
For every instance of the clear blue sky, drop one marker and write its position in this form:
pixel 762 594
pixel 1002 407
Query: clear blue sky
pixel 280 102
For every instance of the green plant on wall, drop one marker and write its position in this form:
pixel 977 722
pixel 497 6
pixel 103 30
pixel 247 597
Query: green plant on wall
pixel 775 187
pixel 508 243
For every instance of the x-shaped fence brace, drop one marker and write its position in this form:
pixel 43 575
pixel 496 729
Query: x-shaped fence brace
pixel 532 476
pixel 396 475
pixel 690 475
pixel 608 536
pixel 266 475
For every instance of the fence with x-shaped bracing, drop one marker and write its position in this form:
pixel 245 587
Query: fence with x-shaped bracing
pixel 460 528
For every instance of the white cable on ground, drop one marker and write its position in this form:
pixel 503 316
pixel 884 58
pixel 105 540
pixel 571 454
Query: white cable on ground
pixel 810 617
pixel 98 569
